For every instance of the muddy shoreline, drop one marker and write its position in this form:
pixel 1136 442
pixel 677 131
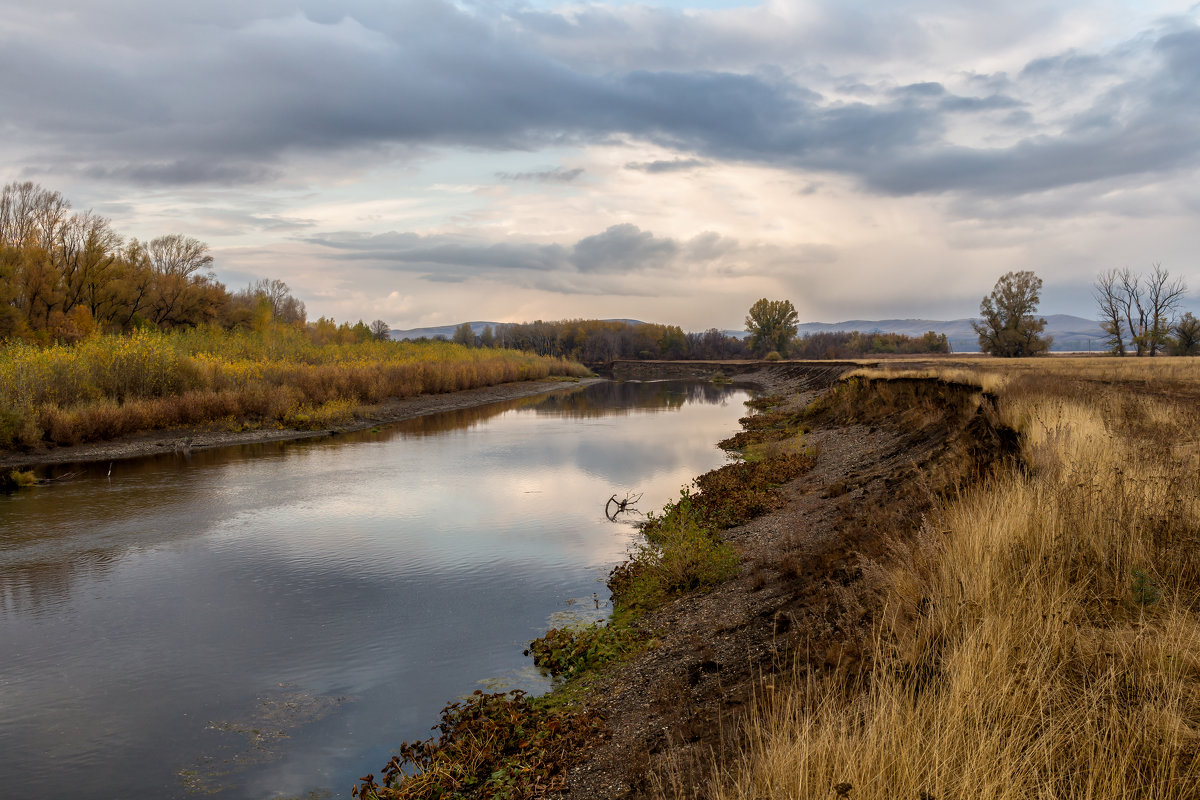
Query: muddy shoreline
pixel 207 436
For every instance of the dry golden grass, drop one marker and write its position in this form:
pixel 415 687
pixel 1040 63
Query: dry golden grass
pixel 1040 637
pixel 109 386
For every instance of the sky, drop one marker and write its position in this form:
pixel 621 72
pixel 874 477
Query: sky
pixel 427 162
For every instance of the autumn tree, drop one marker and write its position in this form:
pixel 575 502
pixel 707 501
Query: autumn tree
pixel 1187 336
pixel 1008 327
pixel 772 325
pixel 464 335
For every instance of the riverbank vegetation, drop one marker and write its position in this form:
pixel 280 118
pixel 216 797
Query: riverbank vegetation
pixel 501 745
pixel 1039 635
pixel 107 386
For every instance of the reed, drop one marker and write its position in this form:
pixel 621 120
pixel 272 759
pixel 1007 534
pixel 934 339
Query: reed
pixel 109 386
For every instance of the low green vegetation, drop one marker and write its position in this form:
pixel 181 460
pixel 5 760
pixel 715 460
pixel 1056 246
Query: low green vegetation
pixel 16 479
pixel 683 551
pixel 572 650
pixel 678 556
pixel 502 745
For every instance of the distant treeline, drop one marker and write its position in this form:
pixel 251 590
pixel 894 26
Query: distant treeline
pixel 599 341
pixel 65 275
pixel 848 344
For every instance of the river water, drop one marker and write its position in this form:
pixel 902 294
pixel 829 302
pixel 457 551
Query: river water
pixel 272 620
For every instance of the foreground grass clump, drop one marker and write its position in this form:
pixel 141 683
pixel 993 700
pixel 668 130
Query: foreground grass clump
pixel 490 746
pixel 110 386
pixel 1040 636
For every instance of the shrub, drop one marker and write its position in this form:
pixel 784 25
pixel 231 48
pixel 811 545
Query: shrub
pixel 568 651
pixel 678 556
pixel 490 746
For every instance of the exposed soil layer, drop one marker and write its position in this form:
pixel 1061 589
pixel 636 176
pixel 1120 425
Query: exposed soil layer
pixel 199 437
pixel 807 594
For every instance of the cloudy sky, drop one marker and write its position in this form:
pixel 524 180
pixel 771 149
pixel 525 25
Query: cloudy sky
pixel 427 161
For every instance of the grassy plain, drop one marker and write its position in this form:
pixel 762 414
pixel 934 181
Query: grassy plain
pixel 106 387
pixel 1039 637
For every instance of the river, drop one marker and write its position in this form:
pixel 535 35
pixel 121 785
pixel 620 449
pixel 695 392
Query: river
pixel 272 620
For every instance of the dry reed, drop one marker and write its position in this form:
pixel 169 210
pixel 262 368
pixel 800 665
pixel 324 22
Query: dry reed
pixel 1039 637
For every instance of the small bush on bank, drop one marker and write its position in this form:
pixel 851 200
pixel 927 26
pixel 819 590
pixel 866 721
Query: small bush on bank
pixel 570 651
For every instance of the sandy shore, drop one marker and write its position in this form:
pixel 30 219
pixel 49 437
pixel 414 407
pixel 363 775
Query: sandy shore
pixel 196 438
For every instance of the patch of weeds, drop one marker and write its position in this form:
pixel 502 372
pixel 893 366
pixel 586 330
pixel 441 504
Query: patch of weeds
pixel 569 651
pixel 311 417
pixel 768 426
pixel 678 556
pixel 1143 588
pixel 736 493
pixel 503 745
pixel 719 378
pixel 763 402
pixel 16 479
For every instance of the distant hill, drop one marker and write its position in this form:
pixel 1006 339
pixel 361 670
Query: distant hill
pixel 447 331
pixel 444 331
pixel 1070 333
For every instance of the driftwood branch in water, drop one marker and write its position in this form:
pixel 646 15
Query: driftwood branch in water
pixel 614 506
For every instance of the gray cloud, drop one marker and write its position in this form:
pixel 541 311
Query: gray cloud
pixel 660 166
pixel 222 96
pixel 622 248
pixel 556 175
pixel 617 260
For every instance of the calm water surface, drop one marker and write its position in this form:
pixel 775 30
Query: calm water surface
pixel 273 620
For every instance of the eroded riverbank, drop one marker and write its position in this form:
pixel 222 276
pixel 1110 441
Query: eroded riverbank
pixel 805 597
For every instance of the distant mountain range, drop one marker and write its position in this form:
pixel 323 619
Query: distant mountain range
pixel 1070 333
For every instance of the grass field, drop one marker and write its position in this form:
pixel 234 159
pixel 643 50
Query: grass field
pixel 110 386
pixel 1039 637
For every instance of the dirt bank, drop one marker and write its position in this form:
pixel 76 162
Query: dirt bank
pixel 806 596
pixel 196 438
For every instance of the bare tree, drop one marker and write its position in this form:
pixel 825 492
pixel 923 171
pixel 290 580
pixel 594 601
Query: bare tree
pixel 1135 312
pixel 1142 308
pixel 1163 297
pixel 176 254
pixel 30 214
pixel 1107 292
pixel 380 330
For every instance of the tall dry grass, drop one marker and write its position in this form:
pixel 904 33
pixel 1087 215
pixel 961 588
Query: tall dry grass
pixel 1039 638
pixel 109 386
